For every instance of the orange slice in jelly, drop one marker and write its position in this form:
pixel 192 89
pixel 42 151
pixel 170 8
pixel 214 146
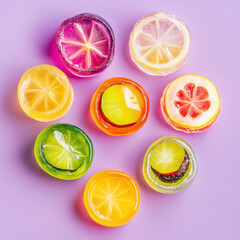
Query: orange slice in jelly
pixel 120 106
pixel 44 93
pixel 111 198
pixel 191 103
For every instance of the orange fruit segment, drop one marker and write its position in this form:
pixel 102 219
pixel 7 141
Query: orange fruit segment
pixel 44 93
pixel 159 44
pixel 111 198
pixel 191 102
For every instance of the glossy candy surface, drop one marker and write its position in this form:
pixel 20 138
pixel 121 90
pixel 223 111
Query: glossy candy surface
pixel 85 44
pixel 111 198
pixel 120 106
pixel 159 44
pixel 45 93
pixel 64 151
pixel 191 103
pixel 170 165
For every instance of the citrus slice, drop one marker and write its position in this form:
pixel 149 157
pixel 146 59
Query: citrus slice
pixel 170 165
pixel 122 104
pixel 119 106
pixel 44 93
pixel 111 198
pixel 85 44
pixel 64 151
pixel 191 103
pixel 159 44
pixel 167 157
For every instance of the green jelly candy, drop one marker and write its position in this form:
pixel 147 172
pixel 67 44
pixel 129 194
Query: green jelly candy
pixel 64 151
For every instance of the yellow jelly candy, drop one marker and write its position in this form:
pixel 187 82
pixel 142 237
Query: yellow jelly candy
pixel 111 198
pixel 45 93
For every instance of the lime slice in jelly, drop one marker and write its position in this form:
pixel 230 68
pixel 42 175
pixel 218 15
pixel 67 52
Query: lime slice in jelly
pixel 122 104
pixel 64 151
pixel 167 157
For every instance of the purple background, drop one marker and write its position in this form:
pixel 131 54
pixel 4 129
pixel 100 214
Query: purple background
pixel 37 206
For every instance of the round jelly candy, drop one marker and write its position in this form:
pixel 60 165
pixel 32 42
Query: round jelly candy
pixel 64 151
pixel 120 106
pixel 111 198
pixel 170 165
pixel 159 44
pixel 85 44
pixel 191 103
pixel 45 93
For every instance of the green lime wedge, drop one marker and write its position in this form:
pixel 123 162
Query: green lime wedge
pixel 167 157
pixel 64 151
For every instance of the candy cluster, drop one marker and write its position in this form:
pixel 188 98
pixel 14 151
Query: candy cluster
pixel 159 45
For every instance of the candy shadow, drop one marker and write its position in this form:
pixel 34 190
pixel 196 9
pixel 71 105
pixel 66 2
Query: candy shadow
pixel 159 115
pixel 81 211
pixel 11 104
pixel 30 162
pixel 90 123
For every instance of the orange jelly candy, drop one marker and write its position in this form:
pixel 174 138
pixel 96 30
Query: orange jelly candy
pixel 45 93
pixel 111 198
pixel 120 106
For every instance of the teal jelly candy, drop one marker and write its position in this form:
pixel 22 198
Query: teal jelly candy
pixel 64 151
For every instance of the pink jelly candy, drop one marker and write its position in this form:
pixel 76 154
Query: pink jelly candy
pixel 85 44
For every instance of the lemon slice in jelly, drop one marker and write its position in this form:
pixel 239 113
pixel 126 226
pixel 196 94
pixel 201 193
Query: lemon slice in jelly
pixel 159 44
pixel 122 104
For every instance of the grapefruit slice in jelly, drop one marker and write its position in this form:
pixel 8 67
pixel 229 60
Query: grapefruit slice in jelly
pixel 85 44
pixel 191 103
pixel 111 198
pixel 159 44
